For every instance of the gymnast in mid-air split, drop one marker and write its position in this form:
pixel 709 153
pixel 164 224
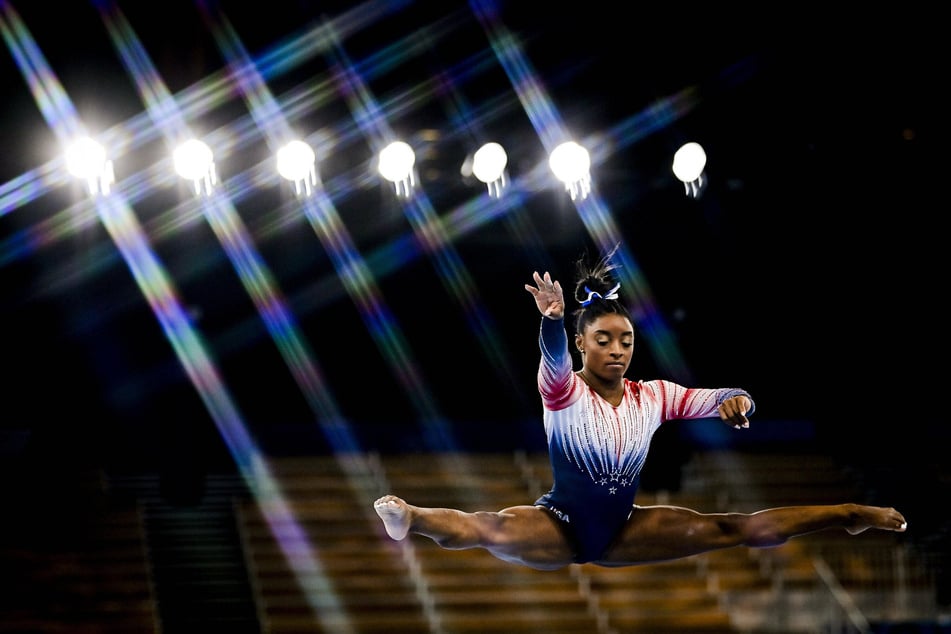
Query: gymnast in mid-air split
pixel 599 426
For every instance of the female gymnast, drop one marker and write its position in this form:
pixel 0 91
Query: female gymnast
pixel 599 426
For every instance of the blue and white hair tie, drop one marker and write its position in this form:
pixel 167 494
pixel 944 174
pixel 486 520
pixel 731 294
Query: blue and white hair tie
pixel 592 295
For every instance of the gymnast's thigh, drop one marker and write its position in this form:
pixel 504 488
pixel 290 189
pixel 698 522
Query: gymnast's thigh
pixel 659 533
pixel 531 535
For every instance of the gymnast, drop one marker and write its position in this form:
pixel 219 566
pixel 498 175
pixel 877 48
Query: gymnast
pixel 599 426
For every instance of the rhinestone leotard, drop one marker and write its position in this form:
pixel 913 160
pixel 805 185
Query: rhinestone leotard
pixel 597 450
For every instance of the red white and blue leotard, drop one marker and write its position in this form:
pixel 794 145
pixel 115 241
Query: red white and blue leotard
pixel 597 450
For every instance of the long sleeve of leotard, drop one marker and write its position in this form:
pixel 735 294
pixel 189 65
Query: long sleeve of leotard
pixel 555 378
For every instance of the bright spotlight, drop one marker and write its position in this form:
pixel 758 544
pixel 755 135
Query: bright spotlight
pixel 194 161
pixel 488 165
pixel 689 162
pixel 86 159
pixel 571 164
pixel 296 162
pixel 396 165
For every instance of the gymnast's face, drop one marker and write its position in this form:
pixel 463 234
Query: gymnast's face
pixel 606 346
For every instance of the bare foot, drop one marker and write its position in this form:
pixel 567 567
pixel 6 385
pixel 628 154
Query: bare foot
pixel 886 519
pixel 395 515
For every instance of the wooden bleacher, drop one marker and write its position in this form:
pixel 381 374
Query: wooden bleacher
pixel 749 481
pixel 471 590
pixel 329 569
pixel 660 597
pixel 787 587
pixel 373 584
pixel 422 587
pixel 320 562
pixel 85 572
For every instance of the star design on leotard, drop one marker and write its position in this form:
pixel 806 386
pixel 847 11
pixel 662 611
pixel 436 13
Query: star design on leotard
pixel 624 482
pixel 603 481
pixel 615 475
pixel 613 490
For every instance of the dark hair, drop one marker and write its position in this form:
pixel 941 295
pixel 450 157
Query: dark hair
pixel 594 284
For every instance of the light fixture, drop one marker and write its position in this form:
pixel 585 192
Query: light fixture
pixel 194 161
pixel 86 159
pixel 296 162
pixel 396 164
pixel 571 164
pixel 488 165
pixel 689 162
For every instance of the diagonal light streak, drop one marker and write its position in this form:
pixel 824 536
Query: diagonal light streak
pixel 475 213
pixel 128 236
pixel 279 59
pixel 259 285
pixel 267 113
pixel 426 224
pixel 330 230
pixel 202 97
pixel 347 262
pixel 369 118
pixel 593 212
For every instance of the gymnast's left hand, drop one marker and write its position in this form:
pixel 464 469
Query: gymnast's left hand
pixel 733 411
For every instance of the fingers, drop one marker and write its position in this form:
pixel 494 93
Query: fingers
pixel 544 283
pixel 736 422
pixel 732 413
pixel 539 284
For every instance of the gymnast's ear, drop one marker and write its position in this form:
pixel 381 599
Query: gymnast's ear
pixel 579 343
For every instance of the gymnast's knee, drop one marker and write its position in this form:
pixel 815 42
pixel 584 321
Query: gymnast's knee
pixel 742 529
pixel 759 534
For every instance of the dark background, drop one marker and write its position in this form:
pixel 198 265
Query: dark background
pixel 810 270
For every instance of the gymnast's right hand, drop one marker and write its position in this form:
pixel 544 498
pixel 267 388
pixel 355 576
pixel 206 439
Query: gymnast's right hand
pixel 548 295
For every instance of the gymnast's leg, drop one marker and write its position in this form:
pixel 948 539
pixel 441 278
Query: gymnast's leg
pixel 520 534
pixel 658 533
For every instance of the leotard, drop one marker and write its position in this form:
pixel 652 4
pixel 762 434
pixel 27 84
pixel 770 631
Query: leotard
pixel 597 450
